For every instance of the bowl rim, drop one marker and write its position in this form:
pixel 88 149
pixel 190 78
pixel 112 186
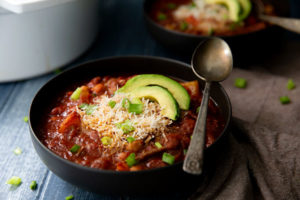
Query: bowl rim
pixel 195 36
pixel 124 173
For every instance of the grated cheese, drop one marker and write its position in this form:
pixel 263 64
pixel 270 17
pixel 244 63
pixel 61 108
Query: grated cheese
pixel 103 119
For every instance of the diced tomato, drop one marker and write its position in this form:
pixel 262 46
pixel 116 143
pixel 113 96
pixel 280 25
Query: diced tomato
pixel 72 120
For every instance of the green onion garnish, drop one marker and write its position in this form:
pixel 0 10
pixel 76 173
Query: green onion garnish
pixel 198 109
pixel 158 145
pixel 70 197
pixel 284 100
pixel 57 71
pixel 106 140
pixel 83 106
pixel 112 104
pixel 240 83
pixel 89 109
pixel 18 151
pixel 76 94
pixel 25 119
pixel 130 160
pixel 15 181
pixel 125 103
pixel 184 151
pixel 168 158
pixel 75 148
pixel 130 139
pixel 161 16
pixel 183 26
pixel 33 185
pixel 193 5
pixel 290 84
pixel 211 31
pixel 171 5
pixel 135 108
pixel 126 126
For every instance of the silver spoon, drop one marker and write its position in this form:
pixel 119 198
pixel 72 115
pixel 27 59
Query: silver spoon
pixel 290 24
pixel 211 62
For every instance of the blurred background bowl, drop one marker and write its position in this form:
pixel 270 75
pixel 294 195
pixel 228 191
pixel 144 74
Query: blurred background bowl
pixel 247 48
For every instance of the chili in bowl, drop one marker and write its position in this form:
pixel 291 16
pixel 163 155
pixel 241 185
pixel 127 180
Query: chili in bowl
pixel 180 25
pixel 111 122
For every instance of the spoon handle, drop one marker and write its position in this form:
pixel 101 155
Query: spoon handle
pixel 194 158
pixel 286 23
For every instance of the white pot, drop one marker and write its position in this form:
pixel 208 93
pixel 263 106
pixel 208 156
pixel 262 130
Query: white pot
pixel 40 38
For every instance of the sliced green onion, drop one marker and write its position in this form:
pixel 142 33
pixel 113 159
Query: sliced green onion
pixel 240 83
pixel 126 128
pixel 183 26
pixel 83 106
pixel 211 31
pixel 284 100
pixel 125 103
pixel 70 197
pixel 15 181
pixel 25 119
pixel 76 94
pixel 184 151
pixel 75 148
pixel 161 16
pixel 106 140
pixel 198 109
pixel 18 151
pixel 57 71
pixel 33 185
pixel 171 5
pixel 118 125
pixel 89 109
pixel 158 145
pixel 130 160
pixel 168 158
pixel 135 108
pixel 290 84
pixel 193 5
pixel 112 104
pixel 130 139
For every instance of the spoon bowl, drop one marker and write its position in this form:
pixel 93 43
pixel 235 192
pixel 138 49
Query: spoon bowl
pixel 211 62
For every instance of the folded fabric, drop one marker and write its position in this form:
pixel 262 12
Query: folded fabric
pixel 261 158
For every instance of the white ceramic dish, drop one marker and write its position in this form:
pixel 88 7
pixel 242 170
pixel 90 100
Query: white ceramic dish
pixel 38 38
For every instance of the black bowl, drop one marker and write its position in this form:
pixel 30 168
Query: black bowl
pixel 246 48
pixel 162 180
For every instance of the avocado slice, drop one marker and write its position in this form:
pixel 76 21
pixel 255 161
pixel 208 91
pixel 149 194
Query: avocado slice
pixel 165 99
pixel 177 90
pixel 232 5
pixel 246 9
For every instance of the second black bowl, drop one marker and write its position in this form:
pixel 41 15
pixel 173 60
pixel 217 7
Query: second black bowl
pixel 246 48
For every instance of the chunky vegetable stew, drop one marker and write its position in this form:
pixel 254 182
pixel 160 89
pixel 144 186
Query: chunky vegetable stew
pixel 127 123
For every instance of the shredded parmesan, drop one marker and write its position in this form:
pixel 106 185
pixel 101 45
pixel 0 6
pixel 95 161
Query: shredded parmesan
pixel 103 119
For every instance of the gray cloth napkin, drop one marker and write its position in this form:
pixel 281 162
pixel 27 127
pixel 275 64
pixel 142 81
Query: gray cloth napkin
pixel 262 155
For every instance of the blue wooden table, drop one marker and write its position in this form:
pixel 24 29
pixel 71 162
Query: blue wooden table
pixel 122 33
